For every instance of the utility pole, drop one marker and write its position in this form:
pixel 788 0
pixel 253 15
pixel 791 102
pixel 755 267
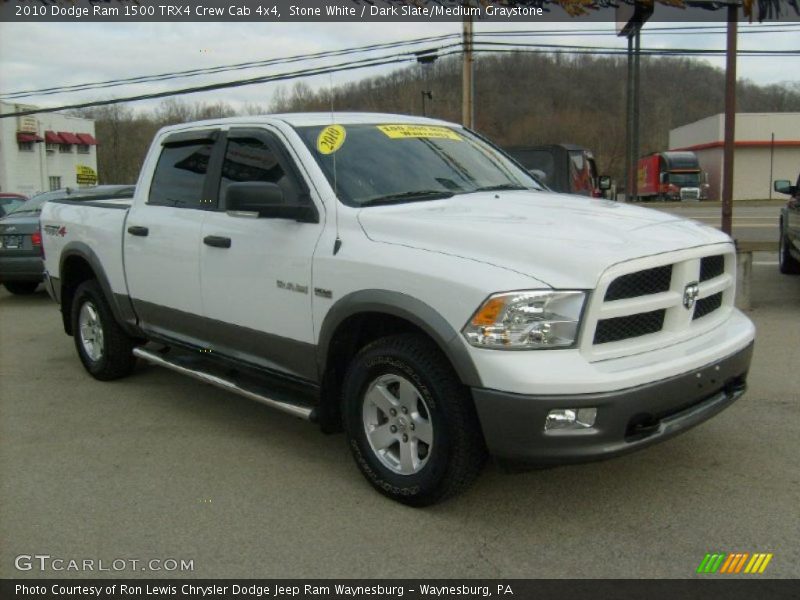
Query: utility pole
pixel 630 20
pixel 425 94
pixel 630 157
pixel 467 81
pixel 635 134
pixel 426 60
pixel 730 119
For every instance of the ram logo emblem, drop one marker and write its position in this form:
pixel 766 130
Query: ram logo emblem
pixel 690 294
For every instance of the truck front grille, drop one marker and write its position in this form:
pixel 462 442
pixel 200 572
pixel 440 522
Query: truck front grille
pixel 706 306
pixel 712 266
pixel 649 303
pixel 623 328
pixel 641 283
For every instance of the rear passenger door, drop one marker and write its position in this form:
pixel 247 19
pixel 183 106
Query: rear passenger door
pixel 256 271
pixel 162 238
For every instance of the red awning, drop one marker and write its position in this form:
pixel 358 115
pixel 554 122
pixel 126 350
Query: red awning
pixel 51 137
pixel 24 136
pixel 86 139
pixel 69 138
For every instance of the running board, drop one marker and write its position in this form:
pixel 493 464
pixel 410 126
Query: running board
pixel 173 363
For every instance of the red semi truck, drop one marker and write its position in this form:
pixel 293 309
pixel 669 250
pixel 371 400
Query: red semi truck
pixel 671 176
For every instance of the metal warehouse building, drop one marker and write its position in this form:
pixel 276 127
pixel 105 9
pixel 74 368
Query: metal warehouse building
pixel 45 152
pixel 767 148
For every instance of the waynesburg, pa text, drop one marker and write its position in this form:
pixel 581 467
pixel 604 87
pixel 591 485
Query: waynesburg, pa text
pixel 256 590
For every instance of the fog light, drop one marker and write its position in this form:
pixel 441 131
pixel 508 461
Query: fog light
pixel 570 418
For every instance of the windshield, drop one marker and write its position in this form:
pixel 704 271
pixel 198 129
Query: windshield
pixel 393 163
pixel 685 179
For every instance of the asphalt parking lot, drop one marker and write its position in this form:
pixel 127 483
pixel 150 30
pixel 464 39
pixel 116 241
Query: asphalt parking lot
pixel 158 466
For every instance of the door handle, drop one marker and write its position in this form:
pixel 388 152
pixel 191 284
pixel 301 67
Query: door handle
pixel 217 241
pixel 138 230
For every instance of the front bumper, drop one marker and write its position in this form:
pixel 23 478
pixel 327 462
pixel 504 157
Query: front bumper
pixel 21 268
pixel 629 419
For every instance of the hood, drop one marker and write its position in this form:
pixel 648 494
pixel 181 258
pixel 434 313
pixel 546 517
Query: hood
pixel 563 241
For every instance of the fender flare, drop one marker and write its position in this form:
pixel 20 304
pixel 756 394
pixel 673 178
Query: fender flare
pixel 120 304
pixel 406 307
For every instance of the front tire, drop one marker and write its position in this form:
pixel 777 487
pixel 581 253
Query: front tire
pixel 103 347
pixel 21 288
pixel 410 423
pixel 786 262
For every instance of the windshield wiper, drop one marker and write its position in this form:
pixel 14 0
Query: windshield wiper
pixel 499 187
pixel 416 196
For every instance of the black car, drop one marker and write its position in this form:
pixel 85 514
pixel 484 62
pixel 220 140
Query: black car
pixel 21 265
pixel 789 243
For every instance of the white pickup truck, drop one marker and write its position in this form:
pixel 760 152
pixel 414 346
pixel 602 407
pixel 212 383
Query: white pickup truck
pixel 404 279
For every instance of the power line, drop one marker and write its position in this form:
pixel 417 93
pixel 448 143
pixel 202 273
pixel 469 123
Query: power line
pixel 353 65
pixel 222 68
pixel 360 49
pixel 451 49
pixel 607 50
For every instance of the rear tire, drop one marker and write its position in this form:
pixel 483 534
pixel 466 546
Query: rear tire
pixel 786 262
pixel 410 423
pixel 103 347
pixel 21 288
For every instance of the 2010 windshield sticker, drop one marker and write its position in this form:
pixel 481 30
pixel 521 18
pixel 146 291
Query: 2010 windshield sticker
pixel 330 139
pixel 419 131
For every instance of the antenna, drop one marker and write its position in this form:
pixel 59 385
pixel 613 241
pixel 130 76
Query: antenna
pixel 338 242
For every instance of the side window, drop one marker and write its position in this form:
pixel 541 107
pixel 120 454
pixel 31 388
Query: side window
pixel 251 159
pixel 180 175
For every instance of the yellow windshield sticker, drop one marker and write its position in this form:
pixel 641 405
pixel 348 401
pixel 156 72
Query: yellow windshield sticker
pixel 419 131
pixel 330 139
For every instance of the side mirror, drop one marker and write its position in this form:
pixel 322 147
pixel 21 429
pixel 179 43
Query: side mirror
pixel 265 200
pixel 604 183
pixel 782 186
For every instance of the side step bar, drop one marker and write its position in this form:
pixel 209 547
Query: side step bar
pixel 221 382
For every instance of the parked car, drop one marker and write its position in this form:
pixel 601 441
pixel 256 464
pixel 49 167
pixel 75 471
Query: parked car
pixel 21 264
pixel 402 278
pixel 9 202
pixel 789 241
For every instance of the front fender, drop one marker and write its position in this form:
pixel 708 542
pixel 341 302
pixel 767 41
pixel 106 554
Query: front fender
pixel 406 307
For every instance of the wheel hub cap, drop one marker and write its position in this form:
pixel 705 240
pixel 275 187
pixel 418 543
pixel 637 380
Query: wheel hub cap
pixel 91 331
pixel 397 423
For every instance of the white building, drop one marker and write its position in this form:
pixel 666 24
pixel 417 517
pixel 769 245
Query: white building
pixel 46 151
pixel 767 147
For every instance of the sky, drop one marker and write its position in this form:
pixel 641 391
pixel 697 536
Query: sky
pixel 39 55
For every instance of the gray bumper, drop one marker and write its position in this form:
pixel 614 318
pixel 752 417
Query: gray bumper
pixel 21 268
pixel 513 424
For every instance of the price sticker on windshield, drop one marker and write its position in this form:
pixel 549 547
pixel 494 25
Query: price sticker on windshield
pixel 330 139
pixel 419 131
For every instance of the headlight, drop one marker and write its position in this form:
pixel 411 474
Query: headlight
pixel 526 320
